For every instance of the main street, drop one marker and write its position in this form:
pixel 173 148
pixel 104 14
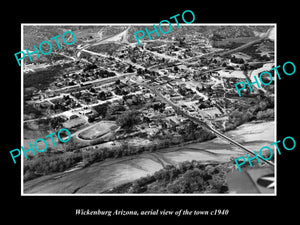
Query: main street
pixel 199 121
pixel 178 109
pixel 184 113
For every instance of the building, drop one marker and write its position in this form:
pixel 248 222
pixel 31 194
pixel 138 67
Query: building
pixel 211 113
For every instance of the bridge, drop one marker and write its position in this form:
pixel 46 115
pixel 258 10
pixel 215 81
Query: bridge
pixel 199 121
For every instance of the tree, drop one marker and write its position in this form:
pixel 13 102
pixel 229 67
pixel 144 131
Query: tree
pixel 102 96
pixel 176 69
pixel 269 113
pixel 101 109
pixel 93 90
pixel 56 122
pixel 133 60
pixel 262 105
pixel 114 109
pixel 129 119
pixel 191 181
pixel 89 67
pixel 130 69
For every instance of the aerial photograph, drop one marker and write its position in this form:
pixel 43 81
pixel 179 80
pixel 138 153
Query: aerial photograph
pixel 158 116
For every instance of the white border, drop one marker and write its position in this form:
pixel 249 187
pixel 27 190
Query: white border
pixel 146 24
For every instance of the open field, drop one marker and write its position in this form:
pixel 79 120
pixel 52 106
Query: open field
pixel 179 105
pixel 30 136
pixel 74 123
pixel 108 48
pixel 97 131
pixel 233 42
pixel 43 78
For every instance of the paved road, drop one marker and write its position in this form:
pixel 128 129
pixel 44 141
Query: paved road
pixel 200 121
pixel 193 118
pixel 185 113
pixel 222 53
pixel 79 108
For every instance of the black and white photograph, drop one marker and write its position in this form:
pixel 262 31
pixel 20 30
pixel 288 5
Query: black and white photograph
pixel 125 113
pixel 155 115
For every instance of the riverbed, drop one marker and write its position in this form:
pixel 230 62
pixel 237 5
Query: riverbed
pixel 110 173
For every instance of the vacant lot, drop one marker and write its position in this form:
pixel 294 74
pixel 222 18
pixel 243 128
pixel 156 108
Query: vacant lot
pixel 98 130
pixel 233 42
pixel 108 48
pixel 69 124
pixel 43 78
pixel 30 136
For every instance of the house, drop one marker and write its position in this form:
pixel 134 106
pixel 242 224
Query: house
pixel 212 112
pixel 173 120
pixel 92 115
pixel 169 110
pixel 74 123
pixel 36 97
pixel 176 98
pixel 153 125
pixel 182 67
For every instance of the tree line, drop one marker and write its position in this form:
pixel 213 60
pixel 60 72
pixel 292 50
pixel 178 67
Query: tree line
pixel 187 177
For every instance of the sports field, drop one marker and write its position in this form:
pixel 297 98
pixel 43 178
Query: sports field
pixel 98 130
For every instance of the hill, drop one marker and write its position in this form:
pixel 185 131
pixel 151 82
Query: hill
pixel 35 34
pixel 220 36
pixel 214 32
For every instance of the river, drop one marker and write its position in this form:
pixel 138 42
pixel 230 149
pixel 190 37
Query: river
pixel 110 173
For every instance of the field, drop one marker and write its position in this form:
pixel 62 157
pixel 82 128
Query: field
pixel 42 79
pixel 74 123
pixel 33 131
pixel 30 112
pixel 97 131
pixel 108 48
pixel 233 42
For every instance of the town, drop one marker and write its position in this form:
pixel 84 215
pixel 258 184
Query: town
pixel 119 98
